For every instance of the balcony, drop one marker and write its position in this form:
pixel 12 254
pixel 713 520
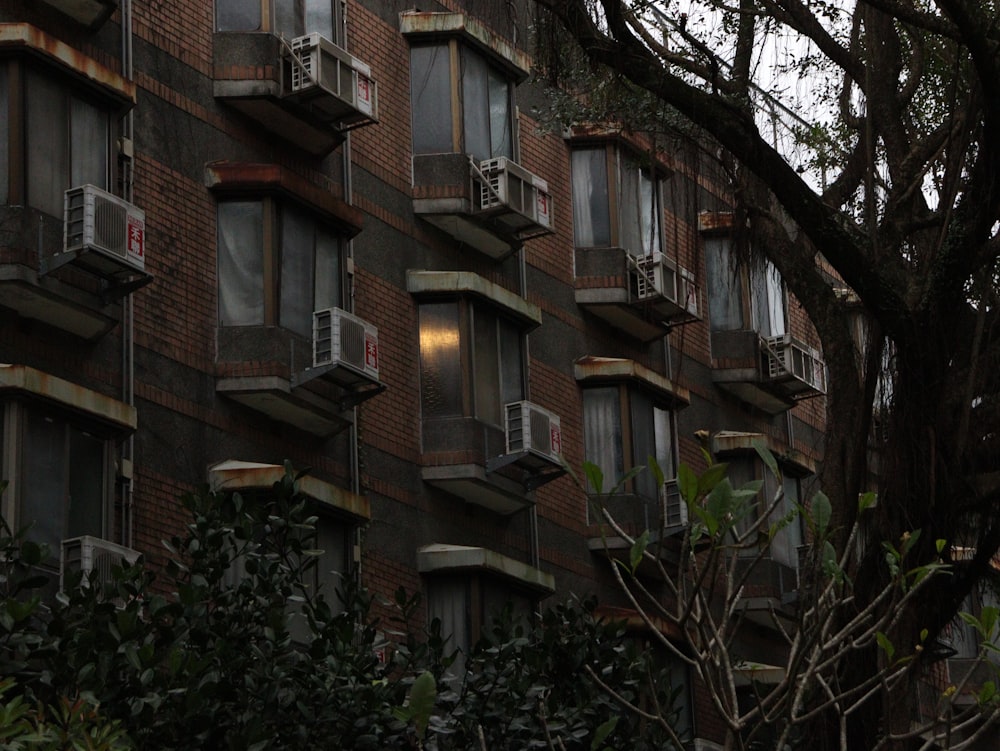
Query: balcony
pixel 493 206
pixel 260 369
pixel 769 373
pixel 642 297
pixel 311 91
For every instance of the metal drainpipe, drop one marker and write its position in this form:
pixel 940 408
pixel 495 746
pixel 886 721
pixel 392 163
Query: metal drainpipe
pixel 522 273
pixel 355 458
pixel 128 310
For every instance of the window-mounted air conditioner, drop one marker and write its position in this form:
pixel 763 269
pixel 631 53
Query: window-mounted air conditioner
pixel 658 276
pixel 334 83
pixel 89 554
pixel 534 430
pixel 787 356
pixel 516 197
pixel 112 228
pixel 675 511
pixel 342 339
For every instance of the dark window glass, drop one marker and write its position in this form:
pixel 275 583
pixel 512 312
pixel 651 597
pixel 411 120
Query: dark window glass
pixel 63 492
pixel 430 94
pixel 4 135
pixel 238 15
pixel 486 108
pixel 725 296
pixel 602 426
pixel 293 18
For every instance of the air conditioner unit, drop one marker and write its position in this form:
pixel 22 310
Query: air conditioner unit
pixel 787 356
pixel 334 83
pixel 658 276
pixel 112 228
pixel 534 430
pixel 516 197
pixel 342 339
pixel 89 554
pixel 675 510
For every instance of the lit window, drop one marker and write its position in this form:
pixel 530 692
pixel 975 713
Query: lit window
pixel 741 297
pixel 460 332
pixel 289 18
pixel 617 202
pixel 616 445
pixel 66 138
pixel 277 265
pixel 452 77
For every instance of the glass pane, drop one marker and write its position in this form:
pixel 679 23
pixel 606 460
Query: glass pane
pixel 591 214
pixel 629 207
pixel 297 238
pixel 43 495
pixel 327 270
pixel 786 542
pixel 85 514
pixel 289 18
pixel 664 431
pixel 486 366
pixel 430 94
pixel 602 428
pixel 237 15
pixel 649 214
pixel 725 300
pixel 476 106
pixel 4 135
pixel 511 361
pixel 332 566
pixel 88 144
pixel 643 444
pixel 448 601
pixel 440 361
pixel 319 17
pixel 501 121
pixel 741 471
pixel 241 263
pixel 767 300
pixel 48 147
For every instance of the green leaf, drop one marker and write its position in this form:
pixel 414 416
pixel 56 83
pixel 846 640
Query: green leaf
pixel 939 545
pixel 766 456
pixel 822 511
pixel 885 644
pixel 654 467
pixel 867 501
pixel 423 693
pixel 711 477
pixel 687 483
pixel 595 477
pixel 603 732
pixel 638 549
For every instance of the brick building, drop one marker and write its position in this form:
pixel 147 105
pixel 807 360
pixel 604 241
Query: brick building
pixel 327 232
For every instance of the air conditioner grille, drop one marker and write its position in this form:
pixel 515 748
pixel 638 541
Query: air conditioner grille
pixel 92 554
pixel 532 429
pixel 340 338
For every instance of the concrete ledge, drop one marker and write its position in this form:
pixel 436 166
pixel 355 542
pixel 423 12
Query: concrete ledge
pixel 426 24
pixel 438 558
pixel 465 282
pixel 590 369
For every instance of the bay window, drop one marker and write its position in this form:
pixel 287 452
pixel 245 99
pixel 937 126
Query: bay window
pixel 288 18
pixel 471 361
pixel 743 296
pixel 62 137
pixel 277 264
pixel 617 201
pixel 450 78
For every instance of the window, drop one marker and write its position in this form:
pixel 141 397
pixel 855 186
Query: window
pixel 66 138
pixel 451 77
pixel 288 18
pixel 277 264
pixel 616 445
pixel 741 297
pixel 61 467
pixel 617 201
pixel 784 546
pixel 462 337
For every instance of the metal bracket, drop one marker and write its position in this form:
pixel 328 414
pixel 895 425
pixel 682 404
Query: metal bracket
pixel 532 479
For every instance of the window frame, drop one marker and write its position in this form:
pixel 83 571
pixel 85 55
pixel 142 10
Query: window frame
pixel 15 414
pixel 274 209
pixel 468 362
pixel 620 162
pixel 16 72
pixel 629 442
pixel 268 13
pixel 458 54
